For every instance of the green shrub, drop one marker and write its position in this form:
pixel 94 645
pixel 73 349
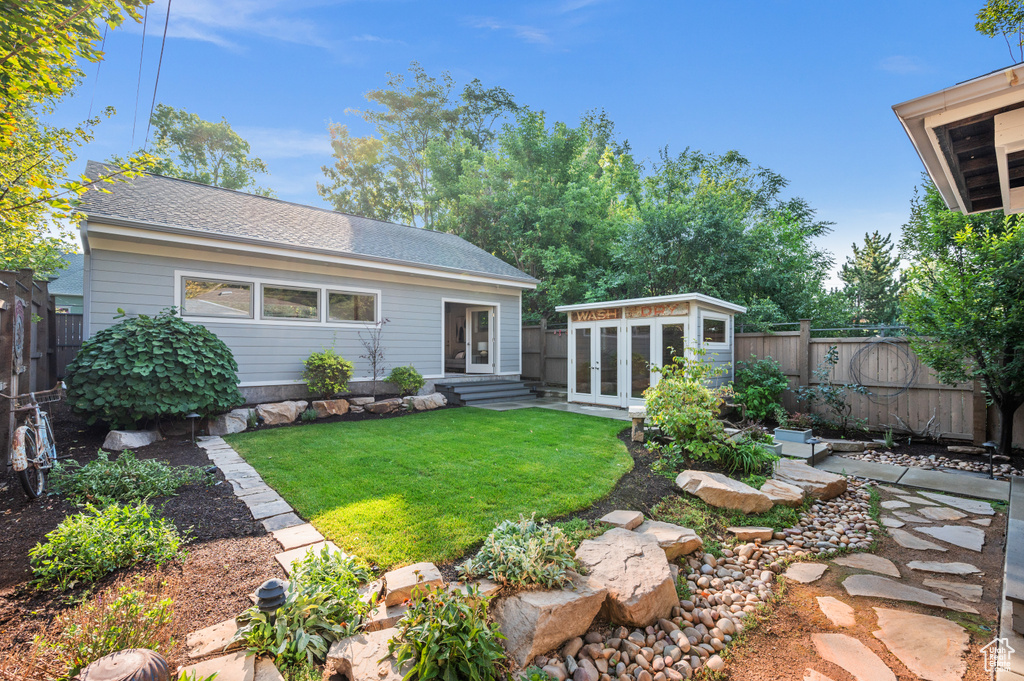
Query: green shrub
pixel 747 457
pixel 832 396
pixel 88 545
pixel 331 571
pixel 521 553
pixel 406 379
pixel 446 635
pixel 327 373
pixel 759 385
pixel 308 415
pixel 535 673
pixel 118 618
pixel 126 478
pixel 148 368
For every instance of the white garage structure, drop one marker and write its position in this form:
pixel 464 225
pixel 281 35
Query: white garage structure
pixel 613 344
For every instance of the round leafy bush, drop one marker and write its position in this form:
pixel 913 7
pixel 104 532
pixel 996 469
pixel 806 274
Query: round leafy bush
pixel 327 373
pixel 406 379
pixel 147 368
pixel 759 385
pixel 522 553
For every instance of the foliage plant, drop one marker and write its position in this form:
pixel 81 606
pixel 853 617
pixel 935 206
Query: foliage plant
pixel 322 605
pixel 308 415
pixel 535 673
pixel 889 439
pixel 152 367
pixel 759 385
pixel 126 478
pixel 523 553
pixel 833 397
pixel 747 456
pixel 327 373
pixel 86 546
pixel 798 421
pixel 125 616
pixel 445 635
pixel 406 379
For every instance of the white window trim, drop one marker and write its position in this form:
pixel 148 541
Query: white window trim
pixel 705 314
pixel 496 369
pixel 257 283
pixel 219 280
pixel 304 320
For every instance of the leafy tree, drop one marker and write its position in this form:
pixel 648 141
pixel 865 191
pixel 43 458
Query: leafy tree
pixel 871 279
pixel 1006 18
pixel 965 296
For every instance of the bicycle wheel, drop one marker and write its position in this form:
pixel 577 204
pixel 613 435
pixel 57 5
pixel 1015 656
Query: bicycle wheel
pixel 32 478
pixel 48 456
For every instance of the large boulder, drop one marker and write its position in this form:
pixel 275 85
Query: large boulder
pixel 634 570
pixel 536 621
pixel 364 657
pixel 723 492
pixel 276 413
pixel 783 493
pixel 817 483
pixel 428 402
pixel 385 406
pixel 325 408
pixel 120 440
pixel 675 540
pixel 235 421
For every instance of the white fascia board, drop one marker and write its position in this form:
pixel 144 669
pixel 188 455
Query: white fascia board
pixel 679 298
pixel 129 229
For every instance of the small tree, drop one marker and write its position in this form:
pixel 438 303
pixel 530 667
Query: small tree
pixel 372 343
pixel 832 396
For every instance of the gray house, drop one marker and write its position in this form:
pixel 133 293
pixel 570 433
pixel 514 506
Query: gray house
pixel 67 288
pixel 278 280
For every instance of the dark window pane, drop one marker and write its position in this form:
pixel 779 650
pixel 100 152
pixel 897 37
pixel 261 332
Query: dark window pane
pixel 212 298
pixel 673 342
pixel 714 330
pixel 609 361
pixel 351 307
pixel 640 360
pixel 583 362
pixel 291 303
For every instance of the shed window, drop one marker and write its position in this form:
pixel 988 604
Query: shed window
pixel 286 302
pixel 351 307
pixel 215 298
pixel 714 330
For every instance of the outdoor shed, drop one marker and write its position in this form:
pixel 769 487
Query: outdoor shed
pixel 278 280
pixel 613 344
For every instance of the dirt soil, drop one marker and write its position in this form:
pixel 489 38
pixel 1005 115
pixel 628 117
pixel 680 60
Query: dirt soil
pixel 228 555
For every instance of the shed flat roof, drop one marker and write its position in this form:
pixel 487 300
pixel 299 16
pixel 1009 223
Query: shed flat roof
pixel 677 298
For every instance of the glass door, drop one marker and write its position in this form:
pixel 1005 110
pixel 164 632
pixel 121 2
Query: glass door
pixel 480 340
pixel 607 367
pixel 640 338
pixel 582 383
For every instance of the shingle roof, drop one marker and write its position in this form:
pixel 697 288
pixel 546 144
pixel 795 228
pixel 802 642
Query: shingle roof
pixel 166 201
pixel 69 281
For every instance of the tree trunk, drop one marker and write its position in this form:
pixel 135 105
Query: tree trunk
pixel 1007 409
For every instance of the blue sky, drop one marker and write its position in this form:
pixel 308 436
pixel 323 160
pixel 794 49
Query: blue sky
pixel 803 88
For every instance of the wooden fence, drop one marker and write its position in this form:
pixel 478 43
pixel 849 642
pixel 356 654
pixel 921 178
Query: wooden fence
pixel 546 355
pixel 68 340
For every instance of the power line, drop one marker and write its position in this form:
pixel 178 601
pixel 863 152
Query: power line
pixel 138 85
pixel 156 82
pixel 95 83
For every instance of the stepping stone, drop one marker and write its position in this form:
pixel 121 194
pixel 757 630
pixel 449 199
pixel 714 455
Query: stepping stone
pixel 971 538
pixel 287 558
pixel 910 517
pixel 889 521
pixel 984 522
pixel 969 505
pixel 241 491
pixel 267 496
pixel 917 500
pixel 968 592
pixel 839 613
pixel 891 490
pixel 805 573
pixel 266 670
pixel 402 581
pixel 627 520
pixel 869 561
pixel 893 504
pixel 931 647
pixel 875 586
pixel 297 536
pixel 751 533
pixel 943 568
pixel 961 607
pixel 269 509
pixel 909 541
pixel 237 666
pixel 279 522
pixel 815 675
pixel 674 540
pixel 853 656
pixel 212 639
pixel 942 513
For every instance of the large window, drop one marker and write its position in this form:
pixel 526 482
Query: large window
pixel 714 330
pixel 286 302
pixel 215 298
pixel 351 307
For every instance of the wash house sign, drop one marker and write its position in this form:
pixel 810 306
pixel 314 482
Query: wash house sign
pixel 631 312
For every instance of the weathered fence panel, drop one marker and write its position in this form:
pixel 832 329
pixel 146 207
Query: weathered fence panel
pixel 68 337
pixel 548 360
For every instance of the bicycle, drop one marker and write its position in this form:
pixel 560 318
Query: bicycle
pixel 33 450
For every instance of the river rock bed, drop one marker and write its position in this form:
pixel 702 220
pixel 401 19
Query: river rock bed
pixel 1003 471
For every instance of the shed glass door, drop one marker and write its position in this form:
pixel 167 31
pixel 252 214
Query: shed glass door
pixel 639 360
pixel 595 363
pixel 480 340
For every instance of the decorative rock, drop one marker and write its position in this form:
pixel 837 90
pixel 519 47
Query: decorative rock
pixel 965 449
pixel 634 571
pixel 586 671
pixel 883 587
pixel 968 592
pixel 715 663
pixel 120 440
pixel 401 582
pixel 853 656
pixel 534 622
pixel 805 573
pixel 325 408
pixel 360 401
pixel 385 406
pixel 723 492
pixel 971 538
pixel 818 484
pixel 675 540
pixel 428 402
pixel 484 587
pixel 751 533
pixel 238 666
pixel 942 513
pixel 839 613
pixel 276 413
pixel 783 493
pixel 212 639
pixel 930 647
pixel 869 561
pixel 266 670
pixel 969 505
pixel 909 541
pixel 235 421
pixel 364 656
pixel 845 445
pixel 627 520
pixel 943 568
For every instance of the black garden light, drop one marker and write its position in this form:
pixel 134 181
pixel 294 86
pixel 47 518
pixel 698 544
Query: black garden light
pixel 192 419
pixel 270 595
pixel 813 442
pixel 991 447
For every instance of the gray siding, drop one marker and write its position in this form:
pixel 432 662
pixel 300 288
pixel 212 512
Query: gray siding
pixel 273 353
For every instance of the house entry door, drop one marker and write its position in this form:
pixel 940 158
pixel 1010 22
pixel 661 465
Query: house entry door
pixel 594 363
pixel 479 340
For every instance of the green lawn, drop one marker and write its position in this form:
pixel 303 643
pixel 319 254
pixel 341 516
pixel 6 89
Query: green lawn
pixel 428 486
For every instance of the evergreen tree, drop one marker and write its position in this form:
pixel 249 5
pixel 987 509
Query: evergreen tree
pixel 872 280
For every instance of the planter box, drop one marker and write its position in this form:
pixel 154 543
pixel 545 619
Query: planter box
pixel 785 435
